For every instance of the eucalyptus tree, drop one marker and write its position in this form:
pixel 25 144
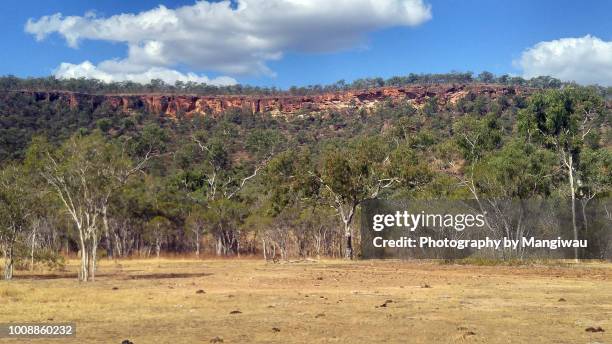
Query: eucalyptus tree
pixel 84 173
pixel 287 190
pixel 595 171
pixel 562 121
pixel 509 181
pixel 195 224
pixel 351 174
pixel 16 209
pixel 519 170
pixel 158 229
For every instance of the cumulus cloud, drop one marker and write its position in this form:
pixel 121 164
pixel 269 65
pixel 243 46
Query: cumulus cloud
pixel 586 60
pixel 143 76
pixel 235 38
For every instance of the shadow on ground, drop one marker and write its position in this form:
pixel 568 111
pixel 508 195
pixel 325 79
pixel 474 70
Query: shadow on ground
pixel 114 276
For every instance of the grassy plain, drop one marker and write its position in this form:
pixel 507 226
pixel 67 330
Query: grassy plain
pixel 249 301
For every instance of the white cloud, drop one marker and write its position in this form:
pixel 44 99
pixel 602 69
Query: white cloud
pixel 90 71
pixel 237 39
pixel 586 60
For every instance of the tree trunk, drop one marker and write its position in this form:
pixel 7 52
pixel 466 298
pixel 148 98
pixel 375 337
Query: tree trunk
pixel 237 244
pixel 263 246
pixel 348 234
pixel 219 246
pixel 584 204
pixel 90 266
pixel 107 238
pixel 32 249
pixel 570 168
pixel 8 263
pixel 348 231
pixel 118 246
pixel 93 259
pixel 83 271
pixel 197 243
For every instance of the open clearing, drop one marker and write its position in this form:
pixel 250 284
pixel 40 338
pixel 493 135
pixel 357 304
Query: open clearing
pixel 249 301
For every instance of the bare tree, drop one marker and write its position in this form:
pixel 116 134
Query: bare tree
pixel 84 174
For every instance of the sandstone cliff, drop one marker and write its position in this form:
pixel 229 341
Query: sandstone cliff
pixel 280 105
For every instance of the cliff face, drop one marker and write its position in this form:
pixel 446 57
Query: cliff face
pixel 283 105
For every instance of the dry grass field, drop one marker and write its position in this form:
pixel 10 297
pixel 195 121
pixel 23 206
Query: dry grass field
pixel 249 301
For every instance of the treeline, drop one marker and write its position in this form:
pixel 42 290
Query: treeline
pixel 119 185
pixel 93 86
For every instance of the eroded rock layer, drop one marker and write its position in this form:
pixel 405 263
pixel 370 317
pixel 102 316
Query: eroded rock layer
pixel 281 105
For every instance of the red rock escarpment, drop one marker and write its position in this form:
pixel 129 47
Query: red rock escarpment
pixel 280 105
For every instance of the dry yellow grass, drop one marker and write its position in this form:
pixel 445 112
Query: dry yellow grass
pixel 156 301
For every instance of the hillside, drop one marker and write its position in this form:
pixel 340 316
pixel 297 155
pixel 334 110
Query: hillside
pixel 58 114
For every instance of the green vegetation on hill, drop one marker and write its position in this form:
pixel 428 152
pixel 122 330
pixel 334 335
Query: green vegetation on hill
pixel 158 86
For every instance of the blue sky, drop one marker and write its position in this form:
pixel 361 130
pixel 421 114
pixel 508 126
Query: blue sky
pixel 461 35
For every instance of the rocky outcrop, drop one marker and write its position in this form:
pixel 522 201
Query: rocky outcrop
pixel 279 105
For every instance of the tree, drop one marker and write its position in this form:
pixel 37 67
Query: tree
pixel 595 171
pixel 506 180
pixel 84 173
pixel 15 211
pixel 158 228
pixel 226 216
pixel 349 176
pixel 519 170
pixel 486 77
pixel 561 120
pixel 196 223
pixel 288 189
pixel 260 224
